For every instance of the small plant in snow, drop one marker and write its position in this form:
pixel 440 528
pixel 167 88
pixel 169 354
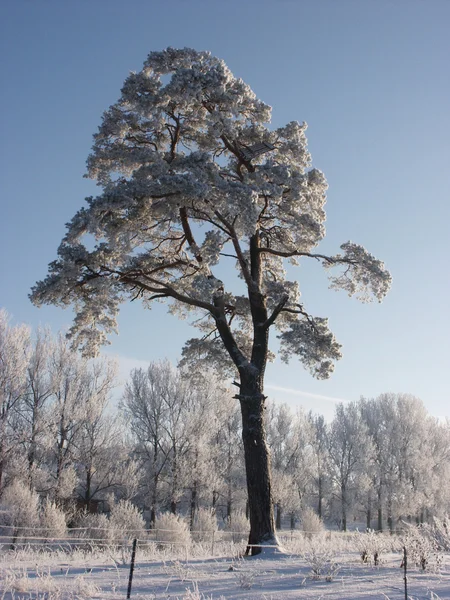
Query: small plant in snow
pixel 126 523
pixel 370 545
pixel 94 528
pixel 85 588
pixel 422 549
pixel 52 520
pixel 172 529
pixel 238 526
pixel 441 533
pixel 245 578
pixel 311 523
pixel 322 562
pixel 182 572
pixel 19 514
pixel 205 525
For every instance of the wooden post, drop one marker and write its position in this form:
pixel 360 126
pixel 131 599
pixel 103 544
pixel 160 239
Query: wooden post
pixel 133 558
pixel 405 566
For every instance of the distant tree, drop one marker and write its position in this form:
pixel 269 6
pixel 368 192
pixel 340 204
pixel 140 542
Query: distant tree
pixel 144 407
pixel 101 458
pixel 76 432
pixel 34 413
pixel 409 449
pixel 15 349
pixel 228 477
pixel 165 418
pixel 350 451
pixel 319 447
pixel 288 436
pixel 192 176
pixel 379 416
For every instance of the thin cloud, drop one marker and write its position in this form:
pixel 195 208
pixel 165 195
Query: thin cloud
pixel 278 388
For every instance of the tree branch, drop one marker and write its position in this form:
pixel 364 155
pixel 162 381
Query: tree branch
pixel 277 310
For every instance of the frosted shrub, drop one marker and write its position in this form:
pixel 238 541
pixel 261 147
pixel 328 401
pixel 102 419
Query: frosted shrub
pixel 172 529
pixel 321 560
pixel 311 523
pixel 52 521
pixel 371 545
pixel 239 526
pixel 422 549
pixel 126 522
pixel 94 528
pixel 205 525
pixel 19 514
pixel 441 533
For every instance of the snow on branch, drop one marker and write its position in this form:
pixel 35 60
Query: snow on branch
pixel 311 340
pixel 363 275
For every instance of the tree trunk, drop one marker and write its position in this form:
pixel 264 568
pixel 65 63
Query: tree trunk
pixel 369 511
pixel 344 507
pixel 257 466
pixel 380 511
pixel 251 396
pixel 152 517
pixel 292 521
pixel 319 507
pixel 390 517
pixel 87 495
pixel 154 501
pixel 278 521
pixel 193 506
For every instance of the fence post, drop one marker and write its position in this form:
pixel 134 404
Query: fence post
pixel 212 544
pixel 133 558
pixel 405 566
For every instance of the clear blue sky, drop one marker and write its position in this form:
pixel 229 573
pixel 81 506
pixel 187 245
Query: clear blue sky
pixel 371 78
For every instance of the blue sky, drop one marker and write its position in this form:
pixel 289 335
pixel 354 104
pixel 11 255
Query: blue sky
pixel 371 80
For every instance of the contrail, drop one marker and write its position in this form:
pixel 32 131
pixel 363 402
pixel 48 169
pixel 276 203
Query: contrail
pixel 278 388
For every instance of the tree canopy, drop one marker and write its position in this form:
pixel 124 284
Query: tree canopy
pixel 191 176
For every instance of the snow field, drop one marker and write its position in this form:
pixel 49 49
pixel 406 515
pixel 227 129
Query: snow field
pixel 325 568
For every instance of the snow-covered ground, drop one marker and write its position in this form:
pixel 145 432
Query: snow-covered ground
pixel 317 573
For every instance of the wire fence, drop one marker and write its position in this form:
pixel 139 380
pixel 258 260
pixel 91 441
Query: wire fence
pixel 127 546
pixel 88 538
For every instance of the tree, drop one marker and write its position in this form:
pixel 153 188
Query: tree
pixel 320 457
pixel 191 177
pixel 15 350
pixel 143 405
pixel 34 407
pixel 350 450
pixel 100 455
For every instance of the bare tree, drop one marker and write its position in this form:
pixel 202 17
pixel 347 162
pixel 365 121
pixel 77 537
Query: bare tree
pixel 15 348
pixel 34 407
pixel 350 449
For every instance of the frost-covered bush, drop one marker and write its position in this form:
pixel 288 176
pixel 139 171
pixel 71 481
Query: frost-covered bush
pixel 238 525
pixel 205 525
pixel 19 510
pixel 321 559
pixel 441 533
pixel 311 523
pixel 126 522
pixel 172 529
pixel 422 549
pixel 94 528
pixel 52 521
pixel 371 545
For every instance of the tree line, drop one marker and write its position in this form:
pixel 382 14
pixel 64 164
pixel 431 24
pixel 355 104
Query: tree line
pixel 174 443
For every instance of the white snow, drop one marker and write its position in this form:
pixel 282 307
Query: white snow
pixel 193 575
